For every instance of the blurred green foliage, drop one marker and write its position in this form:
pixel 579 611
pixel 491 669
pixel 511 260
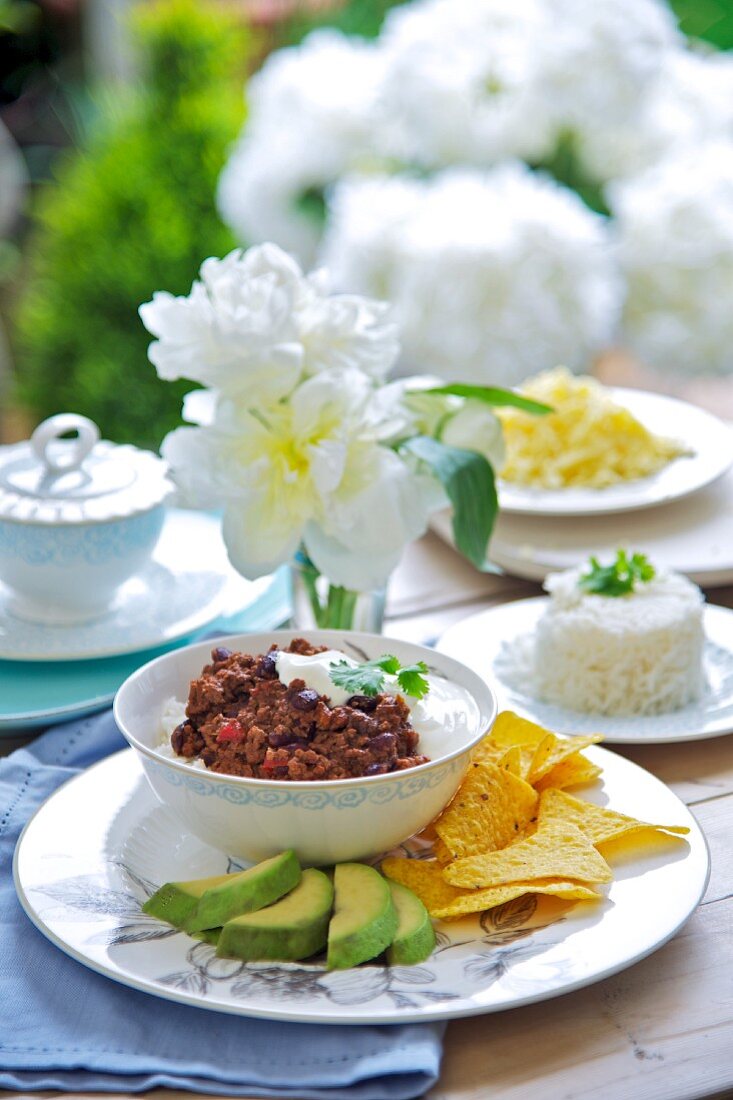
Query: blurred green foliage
pixel 131 214
pixel 711 20
pixel 363 17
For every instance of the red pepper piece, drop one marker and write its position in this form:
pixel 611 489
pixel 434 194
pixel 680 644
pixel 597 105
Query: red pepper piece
pixel 230 731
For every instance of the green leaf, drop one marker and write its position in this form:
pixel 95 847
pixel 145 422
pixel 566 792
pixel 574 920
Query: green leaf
pixel 412 680
pixel 493 395
pixel 468 480
pixel 366 679
pixel 389 663
pixel 620 577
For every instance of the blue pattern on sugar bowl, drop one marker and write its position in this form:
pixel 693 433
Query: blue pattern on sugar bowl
pixel 93 544
pixel 78 518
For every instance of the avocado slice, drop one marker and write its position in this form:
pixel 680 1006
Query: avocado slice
pixel 364 920
pixel 415 936
pixel 175 901
pixel 293 928
pixel 245 892
pixel 209 935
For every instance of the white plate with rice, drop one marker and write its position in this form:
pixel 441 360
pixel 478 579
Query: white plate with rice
pixel 709 441
pixel 497 644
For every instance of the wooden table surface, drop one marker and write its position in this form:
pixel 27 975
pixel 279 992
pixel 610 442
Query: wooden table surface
pixel 661 1030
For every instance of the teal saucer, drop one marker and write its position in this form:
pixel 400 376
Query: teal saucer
pixel 40 693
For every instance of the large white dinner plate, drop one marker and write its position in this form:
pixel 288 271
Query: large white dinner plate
pixel 186 585
pixel 101 844
pixel 693 536
pixel 484 642
pixel 709 440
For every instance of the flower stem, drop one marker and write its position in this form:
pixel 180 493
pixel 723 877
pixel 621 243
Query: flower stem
pixel 336 607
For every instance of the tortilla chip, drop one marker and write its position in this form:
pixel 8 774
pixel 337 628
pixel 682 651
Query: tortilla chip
pixel 442 901
pixel 542 753
pixel 596 822
pixel 476 901
pixel 492 807
pixel 553 750
pixel 424 878
pixel 511 761
pixel 442 852
pixel 574 771
pixel 487 751
pixel 557 850
pixel 509 729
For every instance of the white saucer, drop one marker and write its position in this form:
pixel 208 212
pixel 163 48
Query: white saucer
pixel 481 642
pixel 102 844
pixel 709 440
pixel 187 584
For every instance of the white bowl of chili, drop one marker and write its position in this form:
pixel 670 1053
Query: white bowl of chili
pixel 324 820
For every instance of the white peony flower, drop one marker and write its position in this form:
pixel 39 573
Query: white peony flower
pixel 474 427
pixel 602 59
pixel 463 81
pixel 311 470
pixel 311 110
pixel 236 329
pixel 493 276
pixel 255 325
pixel 346 330
pixel 675 227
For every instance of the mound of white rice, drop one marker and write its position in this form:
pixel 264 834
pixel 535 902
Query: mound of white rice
pixel 636 654
pixel 174 712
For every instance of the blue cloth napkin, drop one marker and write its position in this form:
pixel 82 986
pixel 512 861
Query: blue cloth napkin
pixel 64 1027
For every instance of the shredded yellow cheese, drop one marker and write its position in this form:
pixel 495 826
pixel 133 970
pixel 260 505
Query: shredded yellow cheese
pixel 588 440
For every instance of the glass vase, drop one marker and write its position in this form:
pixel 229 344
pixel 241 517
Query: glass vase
pixel 316 603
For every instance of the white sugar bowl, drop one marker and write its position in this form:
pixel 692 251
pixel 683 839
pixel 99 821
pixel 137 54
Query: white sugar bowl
pixel 78 518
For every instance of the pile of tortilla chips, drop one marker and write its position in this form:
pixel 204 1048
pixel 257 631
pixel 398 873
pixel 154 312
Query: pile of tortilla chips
pixel 511 828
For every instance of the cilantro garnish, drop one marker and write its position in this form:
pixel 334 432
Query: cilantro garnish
pixel 368 677
pixel 620 577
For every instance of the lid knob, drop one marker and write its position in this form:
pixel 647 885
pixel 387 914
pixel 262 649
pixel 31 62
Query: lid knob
pixel 49 431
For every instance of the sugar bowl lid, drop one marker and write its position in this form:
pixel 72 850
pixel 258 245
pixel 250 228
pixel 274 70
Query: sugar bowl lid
pixel 48 479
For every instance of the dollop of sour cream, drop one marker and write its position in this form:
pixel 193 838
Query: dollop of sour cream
pixel 446 717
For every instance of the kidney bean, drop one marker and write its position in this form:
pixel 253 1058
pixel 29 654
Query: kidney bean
pixel 366 703
pixel 384 741
pixel 307 699
pixel 377 769
pixel 178 737
pixel 266 666
pixel 278 740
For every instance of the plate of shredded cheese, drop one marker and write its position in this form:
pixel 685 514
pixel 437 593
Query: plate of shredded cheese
pixel 606 450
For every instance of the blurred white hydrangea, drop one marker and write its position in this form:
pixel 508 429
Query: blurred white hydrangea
pixel 689 103
pixel 493 276
pixel 603 58
pixel 675 229
pixel 366 217
pixel 463 81
pixel 311 118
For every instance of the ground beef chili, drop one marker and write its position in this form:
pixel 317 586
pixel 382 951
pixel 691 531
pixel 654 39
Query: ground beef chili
pixel 242 720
